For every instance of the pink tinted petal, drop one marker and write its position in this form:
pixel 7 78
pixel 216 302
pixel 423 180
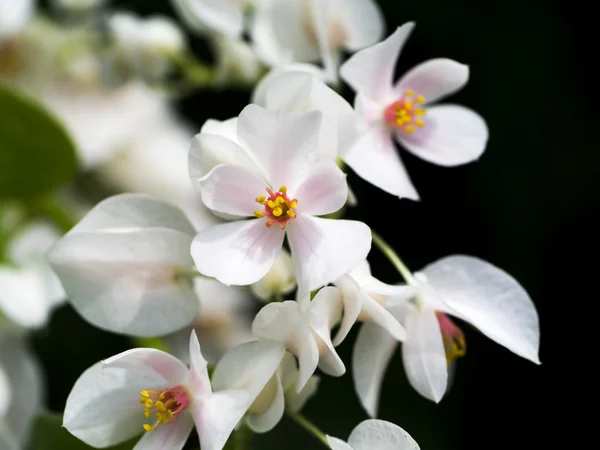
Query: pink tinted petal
pixel 237 253
pixel 325 249
pixel 199 380
pixel 231 189
pixel 370 72
pixel 452 135
pixel 324 191
pixel 375 159
pixel 434 79
pixel 172 436
pixel 152 362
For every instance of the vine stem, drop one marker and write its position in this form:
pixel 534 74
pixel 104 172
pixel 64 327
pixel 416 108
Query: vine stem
pixel 393 258
pixel 308 426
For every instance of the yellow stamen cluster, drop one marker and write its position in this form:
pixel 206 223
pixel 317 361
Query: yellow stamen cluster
pixel 155 404
pixel 278 207
pixel 406 114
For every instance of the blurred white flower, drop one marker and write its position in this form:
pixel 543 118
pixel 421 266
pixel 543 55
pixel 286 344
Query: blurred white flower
pixel 14 15
pixel 29 289
pixel 375 434
pixel 119 266
pixel 315 30
pixel 280 280
pixel 237 62
pixel 210 17
pixel 447 135
pixel 462 286
pixel 21 392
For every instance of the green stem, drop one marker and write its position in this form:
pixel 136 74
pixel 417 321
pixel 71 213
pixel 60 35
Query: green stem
pixel 394 258
pixel 308 426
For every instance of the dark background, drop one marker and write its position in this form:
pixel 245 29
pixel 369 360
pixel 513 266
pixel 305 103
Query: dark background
pixel 528 206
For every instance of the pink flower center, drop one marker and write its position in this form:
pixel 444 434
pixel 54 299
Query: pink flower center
pixel 166 405
pixel 455 345
pixel 278 208
pixel 405 113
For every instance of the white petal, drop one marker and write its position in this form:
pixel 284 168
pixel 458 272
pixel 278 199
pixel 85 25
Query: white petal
pixel 149 362
pixel 199 380
pixel 364 23
pixel 324 191
pixel 490 299
pixel 423 355
pixel 261 423
pixel 352 301
pixel 14 16
pixel 452 135
pixel 284 323
pixel 23 298
pixel 371 71
pixel 279 281
pixel 124 281
pixel 283 144
pixel 321 249
pixel 248 366
pixel 434 79
pixel 381 435
pixel 237 253
pixel 374 312
pixel 337 444
pixel 131 211
pixel 217 416
pixel 225 128
pixel 172 436
pixel 232 190
pixel 375 159
pixel 372 352
pixel 210 16
pixel 31 243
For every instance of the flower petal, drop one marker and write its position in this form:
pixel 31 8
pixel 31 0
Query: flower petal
pixel 321 250
pixel 149 362
pixel 266 421
pixel 337 444
pixel 124 280
pixel 375 159
pixel 434 79
pixel 381 435
pixel 324 191
pixel 490 299
pixel 284 323
pixel 283 144
pixel 217 416
pixel 352 302
pixel 23 299
pixel 172 436
pixel 279 281
pixel 199 380
pixel 209 16
pixel 372 311
pixel 423 355
pixel 231 189
pixel 363 22
pixel 372 352
pixel 237 253
pixel 370 72
pixel 452 135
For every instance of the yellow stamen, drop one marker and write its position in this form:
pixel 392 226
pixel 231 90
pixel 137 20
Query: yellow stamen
pixel 258 213
pixel 420 99
pixel 294 204
pixel 408 105
pixel 420 112
pixel 148 427
pixel 277 212
pixel 409 129
pixel 144 394
pixel 261 199
pixel 409 92
pixel 283 189
pixel 291 213
pixel 420 123
pixel 271 204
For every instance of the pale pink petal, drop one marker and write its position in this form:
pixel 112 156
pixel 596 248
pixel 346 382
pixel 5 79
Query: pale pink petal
pixel 217 416
pixel 371 356
pixel 375 159
pixel 370 72
pixel 424 356
pixel 232 189
pixel 237 253
pixel 434 79
pixel 325 249
pixel 172 436
pixel 324 191
pixel 199 380
pixel 283 144
pixel 150 361
pixel 452 135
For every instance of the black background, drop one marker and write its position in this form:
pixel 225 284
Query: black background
pixel 529 206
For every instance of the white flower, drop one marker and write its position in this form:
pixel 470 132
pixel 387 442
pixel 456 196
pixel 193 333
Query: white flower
pixel 104 407
pixel 365 299
pixel 237 62
pixel 14 15
pixel 29 289
pixel 447 135
pixel 272 153
pixel 119 265
pixel 315 30
pixel 375 434
pixel 304 328
pixel 20 392
pixel 279 281
pixel 213 16
pixel 462 286
pixel 224 320
pixel 302 91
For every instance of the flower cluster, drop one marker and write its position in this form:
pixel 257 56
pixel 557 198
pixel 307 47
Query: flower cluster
pixel 253 211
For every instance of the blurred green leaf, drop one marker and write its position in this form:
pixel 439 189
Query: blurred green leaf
pixel 48 434
pixel 36 153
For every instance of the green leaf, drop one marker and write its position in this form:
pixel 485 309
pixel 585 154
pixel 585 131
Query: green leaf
pixel 48 434
pixel 36 153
